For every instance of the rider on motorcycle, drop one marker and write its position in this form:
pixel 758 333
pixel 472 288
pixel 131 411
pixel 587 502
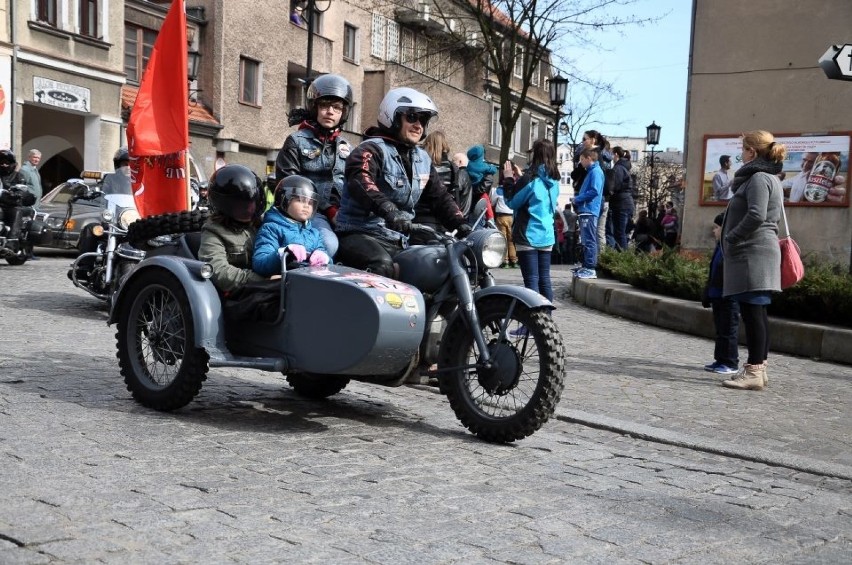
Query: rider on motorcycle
pixel 386 176
pixel 11 201
pixel 318 152
pixel 118 182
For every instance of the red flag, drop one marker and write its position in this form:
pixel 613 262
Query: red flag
pixel 158 129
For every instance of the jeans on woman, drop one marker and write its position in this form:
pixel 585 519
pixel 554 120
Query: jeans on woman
pixel 535 268
pixel 589 239
pixel 620 218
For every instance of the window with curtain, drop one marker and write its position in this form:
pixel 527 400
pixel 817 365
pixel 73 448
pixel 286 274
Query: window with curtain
pixel 249 81
pixel 89 18
pixel 47 11
pixel 496 133
pixel 350 43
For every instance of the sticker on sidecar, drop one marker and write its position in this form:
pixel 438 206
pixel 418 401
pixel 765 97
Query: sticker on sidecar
pixel 410 303
pixel 367 280
pixel 393 300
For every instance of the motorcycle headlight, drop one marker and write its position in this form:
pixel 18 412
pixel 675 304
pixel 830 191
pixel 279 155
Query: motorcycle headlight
pixel 107 215
pixel 489 246
pixel 127 217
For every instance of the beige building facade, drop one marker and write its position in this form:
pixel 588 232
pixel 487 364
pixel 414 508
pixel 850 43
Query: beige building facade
pixel 754 65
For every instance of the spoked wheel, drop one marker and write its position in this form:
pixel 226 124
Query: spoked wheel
pixel 519 394
pixel 156 353
pixel 317 386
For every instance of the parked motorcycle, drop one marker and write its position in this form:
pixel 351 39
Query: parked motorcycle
pixel 496 352
pixel 19 232
pixel 105 255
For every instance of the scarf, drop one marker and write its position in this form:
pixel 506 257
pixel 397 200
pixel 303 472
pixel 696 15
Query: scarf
pixel 758 165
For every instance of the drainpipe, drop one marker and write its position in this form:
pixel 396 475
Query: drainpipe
pixel 12 97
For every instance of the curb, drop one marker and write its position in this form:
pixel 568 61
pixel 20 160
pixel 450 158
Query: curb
pixel 817 341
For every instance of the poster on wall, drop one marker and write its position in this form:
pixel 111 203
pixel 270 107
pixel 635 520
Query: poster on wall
pixel 815 172
pixel 6 102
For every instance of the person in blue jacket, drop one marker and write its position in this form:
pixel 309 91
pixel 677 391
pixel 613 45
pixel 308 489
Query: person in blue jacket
pixel 533 197
pixel 588 203
pixel 287 229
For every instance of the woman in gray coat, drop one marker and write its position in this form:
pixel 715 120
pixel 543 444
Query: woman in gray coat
pixel 750 248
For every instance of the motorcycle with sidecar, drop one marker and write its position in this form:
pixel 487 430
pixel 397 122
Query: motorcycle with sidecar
pixel 494 349
pixel 19 232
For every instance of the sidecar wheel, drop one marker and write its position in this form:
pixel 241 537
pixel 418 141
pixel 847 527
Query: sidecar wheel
pixel 517 398
pixel 317 386
pixel 160 364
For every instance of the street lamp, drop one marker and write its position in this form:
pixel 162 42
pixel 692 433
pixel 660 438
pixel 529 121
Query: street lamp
pixel 193 59
pixel 313 7
pixel 558 88
pixel 652 138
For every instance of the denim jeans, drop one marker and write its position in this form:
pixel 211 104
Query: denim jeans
pixel 620 218
pixel 535 268
pixel 589 239
pixel 726 319
pixel 329 238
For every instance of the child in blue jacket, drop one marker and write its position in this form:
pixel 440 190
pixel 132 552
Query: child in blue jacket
pixel 287 228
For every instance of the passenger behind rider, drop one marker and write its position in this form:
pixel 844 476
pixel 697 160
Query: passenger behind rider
pixel 287 228
pixel 386 176
pixel 318 151
pixel 227 239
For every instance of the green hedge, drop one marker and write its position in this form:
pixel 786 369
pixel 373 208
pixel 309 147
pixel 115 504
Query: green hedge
pixel 824 296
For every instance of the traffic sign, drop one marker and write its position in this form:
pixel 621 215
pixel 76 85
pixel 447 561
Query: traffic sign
pixel 836 63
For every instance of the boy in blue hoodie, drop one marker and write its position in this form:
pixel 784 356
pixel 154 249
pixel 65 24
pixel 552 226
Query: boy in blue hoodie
pixel 726 312
pixel 478 169
pixel 588 206
pixel 287 228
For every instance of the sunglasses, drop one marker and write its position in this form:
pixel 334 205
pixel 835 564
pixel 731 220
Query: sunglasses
pixel 413 117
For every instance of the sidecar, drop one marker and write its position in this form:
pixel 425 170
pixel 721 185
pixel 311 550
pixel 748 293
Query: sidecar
pixel 172 328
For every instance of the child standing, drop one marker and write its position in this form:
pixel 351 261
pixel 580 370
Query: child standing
pixel 287 228
pixel 726 312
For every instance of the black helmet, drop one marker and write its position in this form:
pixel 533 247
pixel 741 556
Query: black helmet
pixel 330 86
pixel 291 187
pixel 237 193
pixel 7 162
pixel 120 156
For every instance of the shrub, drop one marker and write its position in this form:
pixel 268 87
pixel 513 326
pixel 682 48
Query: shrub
pixel 824 296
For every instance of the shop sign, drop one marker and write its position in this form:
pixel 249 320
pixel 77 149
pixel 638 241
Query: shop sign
pixel 61 95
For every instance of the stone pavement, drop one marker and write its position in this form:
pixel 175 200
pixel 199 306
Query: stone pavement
pixel 650 382
pixel 251 473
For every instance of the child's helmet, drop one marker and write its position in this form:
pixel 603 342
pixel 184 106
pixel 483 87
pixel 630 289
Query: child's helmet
pixel 292 187
pixel 333 87
pixel 237 193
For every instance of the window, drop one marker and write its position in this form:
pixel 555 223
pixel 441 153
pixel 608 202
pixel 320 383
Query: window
pixel 350 43
pixel 138 43
pixel 534 131
pixel 516 136
pixel 249 81
pixel 377 36
pixel 634 155
pixel 47 11
pixel 518 71
pixel 496 132
pixel 393 42
pixel 89 18
pixel 536 74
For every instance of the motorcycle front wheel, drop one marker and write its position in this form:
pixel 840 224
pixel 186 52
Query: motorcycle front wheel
pixel 516 397
pixel 157 356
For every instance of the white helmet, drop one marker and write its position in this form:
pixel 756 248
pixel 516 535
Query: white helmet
pixel 398 101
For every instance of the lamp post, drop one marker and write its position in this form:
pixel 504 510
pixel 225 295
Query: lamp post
pixel 193 59
pixel 558 88
pixel 652 138
pixel 313 7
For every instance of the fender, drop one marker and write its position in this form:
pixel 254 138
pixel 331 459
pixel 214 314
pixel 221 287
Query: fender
pixel 529 298
pixel 203 299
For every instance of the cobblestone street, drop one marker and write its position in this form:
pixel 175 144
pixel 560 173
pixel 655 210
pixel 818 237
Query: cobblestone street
pixel 648 460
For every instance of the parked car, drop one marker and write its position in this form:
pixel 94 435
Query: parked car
pixel 67 215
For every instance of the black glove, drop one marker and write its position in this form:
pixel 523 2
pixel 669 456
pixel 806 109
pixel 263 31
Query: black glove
pixel 396 219
pixel 463 231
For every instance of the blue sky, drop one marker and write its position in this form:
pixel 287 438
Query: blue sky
pixel 648 66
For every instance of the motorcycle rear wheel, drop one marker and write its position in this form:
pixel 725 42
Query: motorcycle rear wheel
pixel 157 356
pixel 316 386
pixel 514 401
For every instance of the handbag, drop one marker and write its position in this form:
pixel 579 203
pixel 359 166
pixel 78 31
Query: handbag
pixel 792 269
